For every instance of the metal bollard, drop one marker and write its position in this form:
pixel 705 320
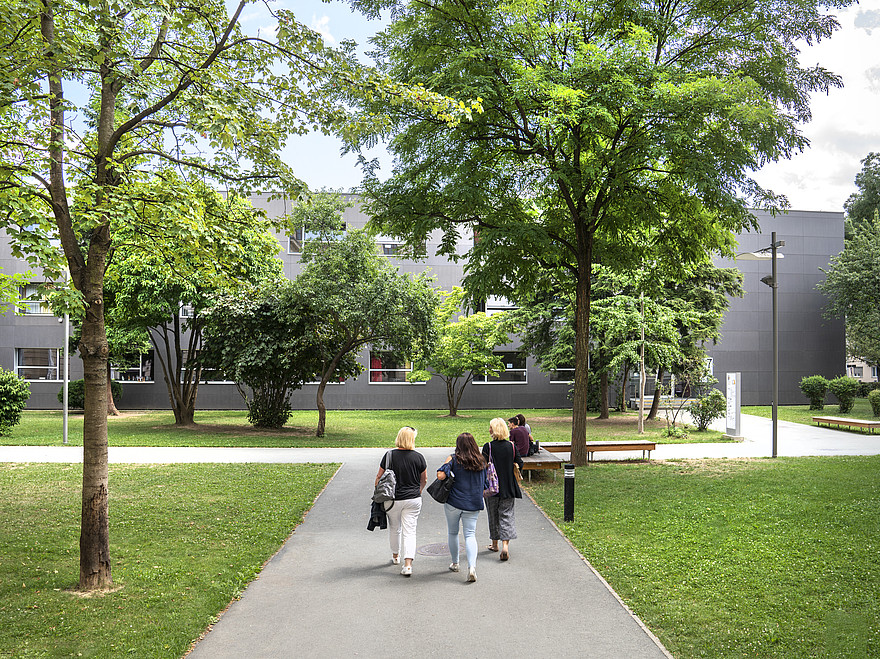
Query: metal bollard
pixel 568 500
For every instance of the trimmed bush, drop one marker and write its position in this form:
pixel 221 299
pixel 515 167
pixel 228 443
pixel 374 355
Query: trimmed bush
pixel 844 389
pixel 814 388
pixel 874 399
pixel 708 408
pixel 76 393
pixel 865 388
pixel 14 394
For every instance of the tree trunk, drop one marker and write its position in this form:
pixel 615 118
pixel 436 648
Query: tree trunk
pixel 581 345
pixel 450 397
pixel 655 402
pixel 621 396
pixel 604 411
pixel 94 542
pixel 322 410
pixel 111 404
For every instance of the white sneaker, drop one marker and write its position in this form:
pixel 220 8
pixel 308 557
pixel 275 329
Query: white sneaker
pixel 395 560
pixel 406 571
pixel 453 567
pixel 472 574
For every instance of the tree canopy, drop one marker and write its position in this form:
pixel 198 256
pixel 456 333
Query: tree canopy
pixel 359 299
pixel 161 286
pixel 862 205
pixel 605 127
pixel 852 286
pixel 465 347
pixel 264 341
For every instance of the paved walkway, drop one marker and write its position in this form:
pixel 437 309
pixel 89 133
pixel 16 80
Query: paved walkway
pixel 332 592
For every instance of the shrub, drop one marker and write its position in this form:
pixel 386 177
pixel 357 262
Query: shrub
pixel 874 399
pixel 76 393
pixel 708 408
pixel 865 388
pixel 675 431
pixel 844 389
pixel 814 388
pixel 14 394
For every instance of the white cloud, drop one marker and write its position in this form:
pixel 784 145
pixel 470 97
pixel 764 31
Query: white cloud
pixel 845 127
pixel 322 27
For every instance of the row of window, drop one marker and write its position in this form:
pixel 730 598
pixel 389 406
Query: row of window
pixel 44 364
pixel 858 371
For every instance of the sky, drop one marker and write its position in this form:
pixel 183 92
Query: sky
pixel 845 126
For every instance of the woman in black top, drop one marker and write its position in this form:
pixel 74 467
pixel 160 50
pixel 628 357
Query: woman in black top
pixel 502 522
pixel 410 469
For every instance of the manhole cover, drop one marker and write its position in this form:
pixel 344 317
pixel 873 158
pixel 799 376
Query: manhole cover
pixel 436 549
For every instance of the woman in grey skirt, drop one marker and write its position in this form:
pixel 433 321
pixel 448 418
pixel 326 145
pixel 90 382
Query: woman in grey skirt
pixel 502 522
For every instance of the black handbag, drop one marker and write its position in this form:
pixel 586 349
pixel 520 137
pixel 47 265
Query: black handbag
pixel 439 490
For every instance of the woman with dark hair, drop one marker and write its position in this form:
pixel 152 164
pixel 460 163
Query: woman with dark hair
pixel 519 436
pixel 468 469
pixel 502 523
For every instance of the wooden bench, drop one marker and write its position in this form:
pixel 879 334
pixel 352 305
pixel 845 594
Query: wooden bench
pixel 852 423
pixel 643 445
pixel 543 459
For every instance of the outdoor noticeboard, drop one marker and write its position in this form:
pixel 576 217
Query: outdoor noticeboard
pixel 733 405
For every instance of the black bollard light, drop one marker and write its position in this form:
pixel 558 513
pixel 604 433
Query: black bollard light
pixel 568 501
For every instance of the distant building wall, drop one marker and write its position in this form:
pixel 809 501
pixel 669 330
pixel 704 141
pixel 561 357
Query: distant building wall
pixel 809 343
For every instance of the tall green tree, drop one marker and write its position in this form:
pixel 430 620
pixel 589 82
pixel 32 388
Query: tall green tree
pixel 359 300
pixel 862 205
pixel 161 285
pixel 601 123
pixel 465 347
pixel 852 285
pixel 98 97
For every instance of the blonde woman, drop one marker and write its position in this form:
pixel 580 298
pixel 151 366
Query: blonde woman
pixel 410 468
pixel 502 522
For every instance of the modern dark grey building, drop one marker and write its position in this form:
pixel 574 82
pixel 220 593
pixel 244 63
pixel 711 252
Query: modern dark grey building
pixel 809 344
pixel 31 344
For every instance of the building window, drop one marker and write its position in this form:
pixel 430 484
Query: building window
pixel 208 376
pixel 874 372
pixel 514 370
pixel 300 237
pixel 384 369
pixel 855 371
pixel 496 304
pixel 391 249
pixel 562 376
pixel 33 302
pixel 295 242
pixel 187 310
pixel 142 371
pixel 37 363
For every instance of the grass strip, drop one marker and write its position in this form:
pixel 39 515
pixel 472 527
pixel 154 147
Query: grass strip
pixel 184 541
pixel 737 558
pixel 803 414
pixel 345 428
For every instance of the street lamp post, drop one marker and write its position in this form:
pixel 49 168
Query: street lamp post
pixel 772 253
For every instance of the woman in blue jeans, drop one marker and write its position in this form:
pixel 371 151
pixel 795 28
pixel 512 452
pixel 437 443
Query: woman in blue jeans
pixel 468 467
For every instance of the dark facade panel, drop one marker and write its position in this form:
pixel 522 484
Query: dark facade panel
pixel 809 344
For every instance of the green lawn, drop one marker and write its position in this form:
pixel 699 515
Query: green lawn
pixel 752 558
pixel 803 413
pixel 361 428
pixel 185 540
